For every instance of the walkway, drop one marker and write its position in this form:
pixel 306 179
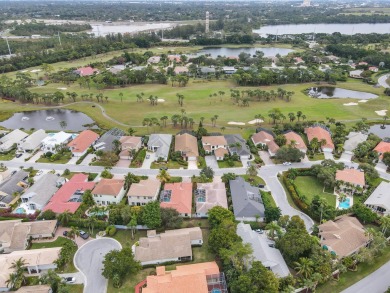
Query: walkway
pixel 382 81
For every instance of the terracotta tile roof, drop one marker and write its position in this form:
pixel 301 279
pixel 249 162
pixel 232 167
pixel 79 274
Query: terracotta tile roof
pixel 186 278
pixel 215 196
pixel 83 141
pixel 148 187
pixel 130 142
pixel 320 133
pixel 299 143
pixel 220 152
pixel 109 187
pixel 59 203
pixel 272 146
pixel 343 236
pixel 352 176
pixel 382 147
pixel 85 71
pixel 187 144
pixel 214 140
pixel 181 197
pixel 262 137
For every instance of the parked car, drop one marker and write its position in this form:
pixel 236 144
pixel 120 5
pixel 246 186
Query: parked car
pixel 69 280
pixel 260 186
pixel 163 168
pixel 65 233
pixel 260 231
pixel 147 156
pixel 39 173
pixel 13 172
pixel 84 235
pixel 18 155
pixel 286 163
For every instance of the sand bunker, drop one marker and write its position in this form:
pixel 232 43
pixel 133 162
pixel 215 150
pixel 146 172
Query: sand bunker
pixel 160 100
pixel 256 121
pixel 351 104
pixel 35 70
pixel 236 123
pixel 381 112
pixel 62 88
pixel 363 101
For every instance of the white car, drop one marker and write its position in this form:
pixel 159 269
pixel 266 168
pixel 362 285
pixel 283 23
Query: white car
pixel 286 163
pixel 39 173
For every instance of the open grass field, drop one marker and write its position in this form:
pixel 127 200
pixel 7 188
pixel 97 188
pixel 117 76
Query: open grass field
pixel 197 103
pixel 310 186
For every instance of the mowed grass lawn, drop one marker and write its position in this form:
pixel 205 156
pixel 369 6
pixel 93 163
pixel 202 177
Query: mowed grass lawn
pixel 310 186
pixel 197 103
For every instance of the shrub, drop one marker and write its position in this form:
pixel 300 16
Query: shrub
pixel 48 215
pixel 111 230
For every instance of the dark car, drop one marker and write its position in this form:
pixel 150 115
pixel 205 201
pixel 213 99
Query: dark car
pixel 65 233
pixel 18 155
pixel 69 280
pixel 260 186
pixel 84 235
pixel 163 168
pixel 13 172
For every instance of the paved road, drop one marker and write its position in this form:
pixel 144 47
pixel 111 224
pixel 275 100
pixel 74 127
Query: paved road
pixel 382 80
pixel 89 261
pixel 377 282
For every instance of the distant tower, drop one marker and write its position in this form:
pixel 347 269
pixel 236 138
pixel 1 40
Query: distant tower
pixel 207 22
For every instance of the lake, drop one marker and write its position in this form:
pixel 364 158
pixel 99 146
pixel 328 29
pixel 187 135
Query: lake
pixel 327 28
pixel 48 120
pixel 382 133
pixel 106 29
pixel 234 52
pixel 328 92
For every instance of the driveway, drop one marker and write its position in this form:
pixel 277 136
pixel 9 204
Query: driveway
pixel 211 162
pixel 266 159
pixel 328 156
pixel 73 160
pixel 192 165
pixel 89 261
pixel 21 158
pixel 36 157
pixel 88 159
pixel 123 163
pixel 346 157
pixel 382 80
pixel 381 167
pixel 147 162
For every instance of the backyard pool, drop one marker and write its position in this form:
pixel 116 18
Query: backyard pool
pixel 346 204
pixel 20 211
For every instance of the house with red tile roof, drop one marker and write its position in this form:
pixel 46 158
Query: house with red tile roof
pixel 265 138
pixel 194 278
pixel 109 191
pixel 129 143
pixel 216 145
pixel 69 196
pixel 296 140
pixel 187 145
pixel 82 142
pixel 381 148
pixel 177 196
pixel 86 71
pixel 373 68
pixel 349 179
pixel 321 134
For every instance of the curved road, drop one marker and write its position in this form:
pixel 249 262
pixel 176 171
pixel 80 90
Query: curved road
pixel 89 261
pixel 382 80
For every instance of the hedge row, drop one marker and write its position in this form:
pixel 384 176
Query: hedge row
pixel 294 194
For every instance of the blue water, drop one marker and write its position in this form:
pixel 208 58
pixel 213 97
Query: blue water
pixel 216 291
pixel 20 211
pixel 345 204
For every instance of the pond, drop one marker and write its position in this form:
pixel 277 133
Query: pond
pixel 326 28
pixel 328 92
pixel 230 52
pixel 377 130
pixel 48 120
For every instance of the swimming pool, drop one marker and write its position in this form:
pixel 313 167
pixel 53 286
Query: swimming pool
pixel 346 204
pixel 20 211
pixel 216 291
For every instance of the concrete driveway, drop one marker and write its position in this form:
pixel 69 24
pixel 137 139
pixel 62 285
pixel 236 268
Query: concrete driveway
pixel 21 158
pixel 211 162
pixel 346 157
pixel 328 156
pixel 88 159
pixel 147 162
pixel 123 163
pixel 266 159
pixel 192 165
pixel 36 157
pixel 89 261
pixel 73 160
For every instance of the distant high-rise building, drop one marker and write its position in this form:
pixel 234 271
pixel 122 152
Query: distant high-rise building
pixel 207 22
pixel 306 3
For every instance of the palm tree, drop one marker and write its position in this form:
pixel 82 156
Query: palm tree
pixel 273 228
pixel 385 224
pixel 131 131
pixel 73 232
pixel 304 267
pixel 164 176
pixel 65 217
pixel 251 171
pixel 121 96
pixel 12 281
pixel 299 115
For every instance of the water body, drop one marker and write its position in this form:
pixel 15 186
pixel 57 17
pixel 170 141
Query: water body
pixel 377 130
pixel 48 120
pixel 328 92
pixel 234 52
pixel 106 29
pixel 327 28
